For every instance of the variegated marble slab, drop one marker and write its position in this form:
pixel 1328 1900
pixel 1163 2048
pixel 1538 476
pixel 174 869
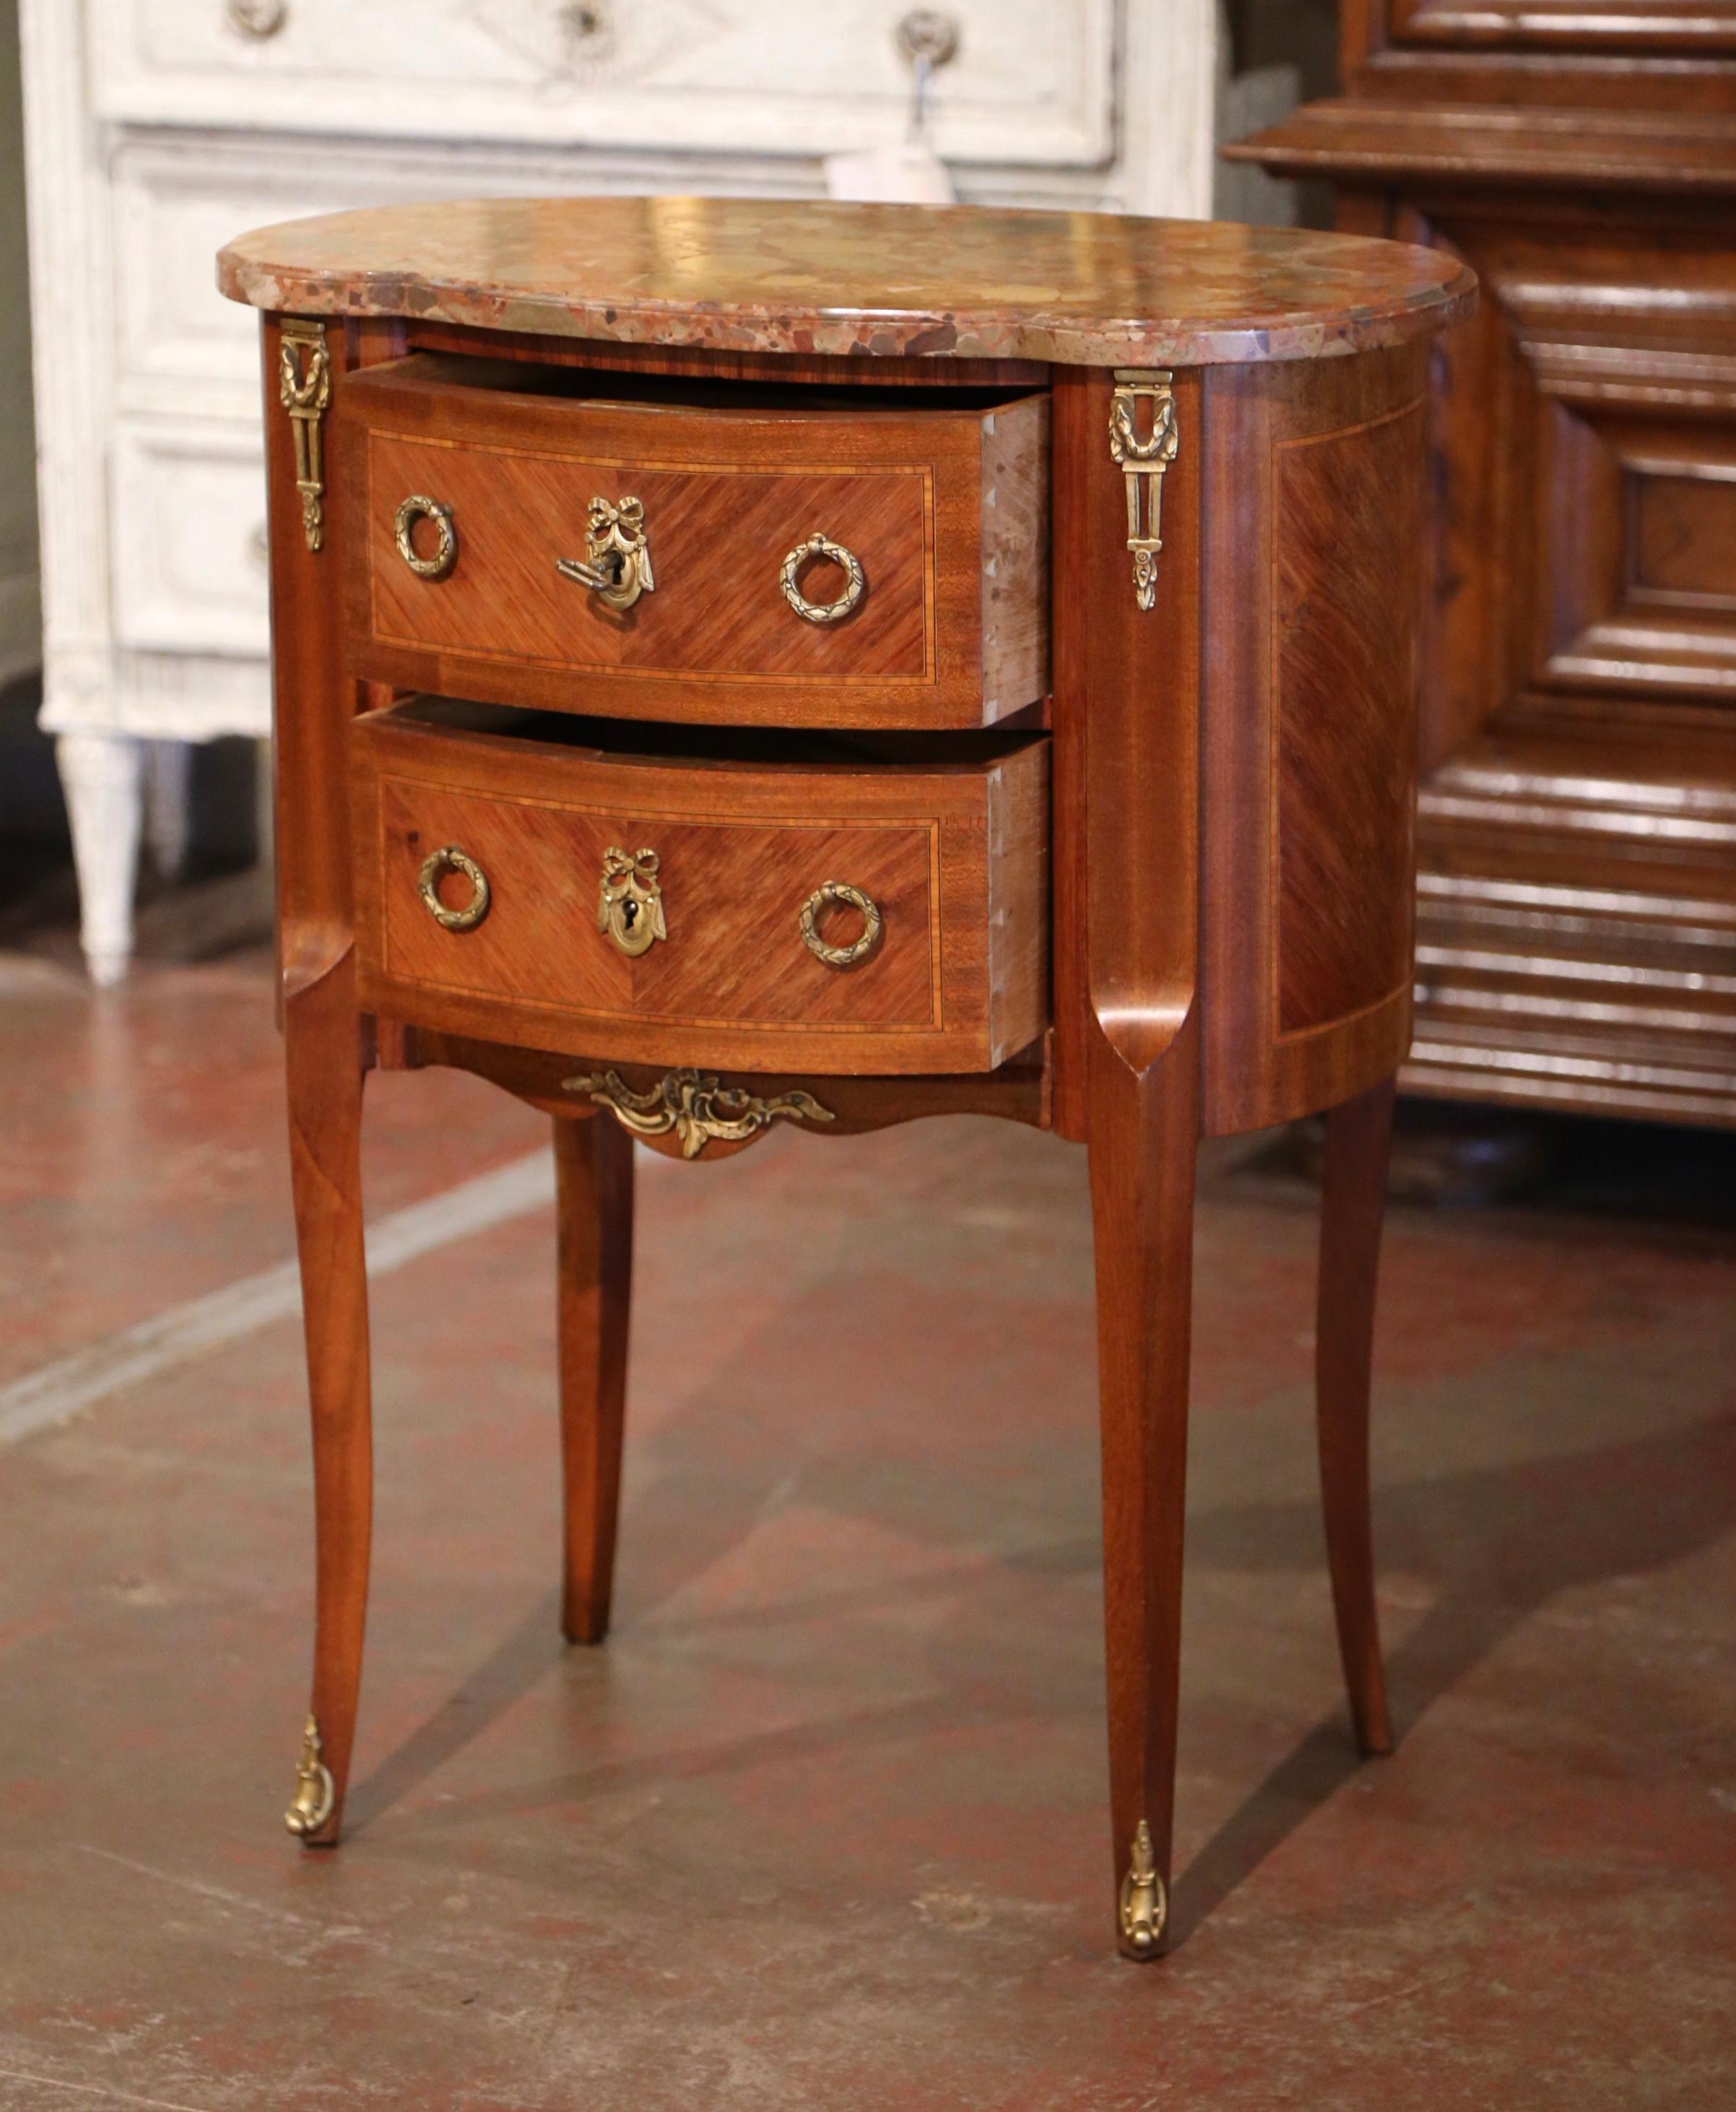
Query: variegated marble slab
pixel 737 274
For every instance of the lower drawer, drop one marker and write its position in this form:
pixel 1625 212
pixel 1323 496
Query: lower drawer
pixel 791 902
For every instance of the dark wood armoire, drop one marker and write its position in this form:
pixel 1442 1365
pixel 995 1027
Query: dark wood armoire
pixel 1577 904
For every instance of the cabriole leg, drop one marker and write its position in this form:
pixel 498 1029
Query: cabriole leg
pixel 1142 1141
pixel 1353 1199
pixel 323 1051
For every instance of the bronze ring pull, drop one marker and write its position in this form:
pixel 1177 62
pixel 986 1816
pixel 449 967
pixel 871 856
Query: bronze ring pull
pixel 446 552
pixel 856 580
pixel 852 898
pixel 435 869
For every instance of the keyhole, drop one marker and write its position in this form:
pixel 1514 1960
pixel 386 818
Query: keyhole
pixel 629 910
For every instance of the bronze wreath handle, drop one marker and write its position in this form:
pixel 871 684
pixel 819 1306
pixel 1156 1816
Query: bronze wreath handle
pixel 856 580
pixel 420 508
pixel 435 869
pixel 852 898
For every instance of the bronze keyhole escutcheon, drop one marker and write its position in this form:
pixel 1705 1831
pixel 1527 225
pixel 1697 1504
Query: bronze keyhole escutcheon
pixel 629 901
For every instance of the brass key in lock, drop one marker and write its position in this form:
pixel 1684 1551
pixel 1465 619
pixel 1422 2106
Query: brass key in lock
pixel 616 564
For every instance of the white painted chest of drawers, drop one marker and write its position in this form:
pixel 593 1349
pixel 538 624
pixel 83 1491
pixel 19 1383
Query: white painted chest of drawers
pixel 155 128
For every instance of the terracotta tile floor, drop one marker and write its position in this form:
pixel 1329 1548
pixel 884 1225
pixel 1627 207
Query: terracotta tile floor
pixel 823 1825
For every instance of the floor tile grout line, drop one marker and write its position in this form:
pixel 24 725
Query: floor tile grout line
pixel 58 1391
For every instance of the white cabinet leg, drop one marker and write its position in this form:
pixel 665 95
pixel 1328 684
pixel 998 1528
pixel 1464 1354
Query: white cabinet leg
pixel 101 776
pixel 168 805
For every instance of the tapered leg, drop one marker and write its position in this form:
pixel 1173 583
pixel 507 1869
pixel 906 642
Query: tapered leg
pixel 1358 1140
pixel 101 776
pixel 1142 1129
pixel 323 1051
pixel 593 1171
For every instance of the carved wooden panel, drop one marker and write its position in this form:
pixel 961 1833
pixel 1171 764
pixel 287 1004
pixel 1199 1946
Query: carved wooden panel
pixel 1636 551
pixel 1584 423
pixel 952 853
pixel 1577 916
pixel 1349 508
pixel 1682 530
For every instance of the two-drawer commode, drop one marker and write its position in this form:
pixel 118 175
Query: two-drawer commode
pixel 851 884
pixel 814 665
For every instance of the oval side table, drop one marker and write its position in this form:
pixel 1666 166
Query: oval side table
pixel 744 664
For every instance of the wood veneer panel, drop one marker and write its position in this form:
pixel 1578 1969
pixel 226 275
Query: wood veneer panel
pixel 1346 606
pixel 946 508
pixel 955 856
pixel 1293 1019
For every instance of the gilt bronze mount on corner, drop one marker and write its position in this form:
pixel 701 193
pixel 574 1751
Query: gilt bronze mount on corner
pixel 1143 457
pixel 304 387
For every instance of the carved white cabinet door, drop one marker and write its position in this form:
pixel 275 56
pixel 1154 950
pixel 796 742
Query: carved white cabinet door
pixel 157 128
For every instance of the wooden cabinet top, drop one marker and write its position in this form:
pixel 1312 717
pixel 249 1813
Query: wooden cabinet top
pixel 1353 140
pixel 818 277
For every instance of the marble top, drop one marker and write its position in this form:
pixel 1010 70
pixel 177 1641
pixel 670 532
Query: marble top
pixel 782 275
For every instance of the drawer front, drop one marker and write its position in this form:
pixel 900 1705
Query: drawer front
pixel 952 864
pixel 187 537
pixel 933 533
pixel 681 76
pixel 180 346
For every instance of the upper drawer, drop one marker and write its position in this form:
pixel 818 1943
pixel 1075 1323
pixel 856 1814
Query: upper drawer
pixel 680 77
pixel 501 533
